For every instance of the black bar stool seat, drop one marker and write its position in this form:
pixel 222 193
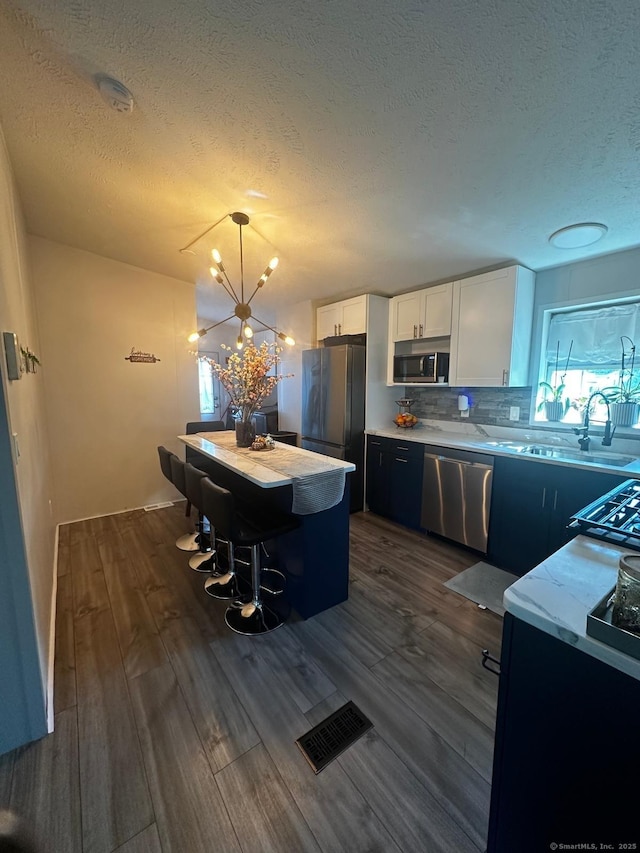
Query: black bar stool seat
pixel 173 469
pixel 250 526
pixel 190 541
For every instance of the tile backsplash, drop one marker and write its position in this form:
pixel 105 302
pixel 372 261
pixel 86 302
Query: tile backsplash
pixel 487 405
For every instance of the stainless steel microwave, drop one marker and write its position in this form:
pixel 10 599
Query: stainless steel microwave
pixel 427 367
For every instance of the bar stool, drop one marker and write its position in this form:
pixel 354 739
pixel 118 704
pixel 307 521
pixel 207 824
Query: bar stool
pixel 190 541
pixel 172 469
pixel 250 526
pixel 204 560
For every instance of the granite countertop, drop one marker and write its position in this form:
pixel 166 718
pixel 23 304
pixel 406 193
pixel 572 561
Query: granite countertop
pixel 558 594
pixel 222 447
pixel 502 442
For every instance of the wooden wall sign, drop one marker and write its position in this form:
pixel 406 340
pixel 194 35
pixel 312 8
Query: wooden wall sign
pixel 141 357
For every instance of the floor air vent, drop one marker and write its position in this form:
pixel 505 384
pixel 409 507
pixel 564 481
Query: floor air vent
pixel 332 736
pixel 151 507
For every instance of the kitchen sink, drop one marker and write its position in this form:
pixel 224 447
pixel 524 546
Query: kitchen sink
pixel 617 460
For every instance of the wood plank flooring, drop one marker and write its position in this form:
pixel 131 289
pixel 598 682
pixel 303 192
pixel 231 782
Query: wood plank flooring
pixel 174 735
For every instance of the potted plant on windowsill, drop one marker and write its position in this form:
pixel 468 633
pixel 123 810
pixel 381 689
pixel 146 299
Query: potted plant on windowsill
pixel 554 404
pixel 623 397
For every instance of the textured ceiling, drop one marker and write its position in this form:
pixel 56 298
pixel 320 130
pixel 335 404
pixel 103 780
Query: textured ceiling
pixel 377 146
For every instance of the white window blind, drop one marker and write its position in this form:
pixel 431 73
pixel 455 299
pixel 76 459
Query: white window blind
pixel 595 333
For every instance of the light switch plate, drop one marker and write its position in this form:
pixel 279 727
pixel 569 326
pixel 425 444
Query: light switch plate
pixel 12 355
pixel 514 413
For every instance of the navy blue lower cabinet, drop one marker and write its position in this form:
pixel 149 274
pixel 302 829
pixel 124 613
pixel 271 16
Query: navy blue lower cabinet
pixel 394 479
pixel 531 505
pixel 566 750
pixel 377 489
pixel 405 490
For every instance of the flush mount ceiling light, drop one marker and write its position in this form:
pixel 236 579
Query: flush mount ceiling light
pixel 242 308
pixel 578 236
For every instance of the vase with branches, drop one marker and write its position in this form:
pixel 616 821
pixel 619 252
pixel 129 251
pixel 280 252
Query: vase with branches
pixel 554 403
pixel 248 378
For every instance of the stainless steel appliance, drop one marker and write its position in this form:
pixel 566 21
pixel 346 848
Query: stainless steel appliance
pixel 456 495
pixel 426 367
pixel 615 517
pixel 333 387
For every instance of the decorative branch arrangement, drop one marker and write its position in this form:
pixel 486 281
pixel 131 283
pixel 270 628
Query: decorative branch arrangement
pixel 245 377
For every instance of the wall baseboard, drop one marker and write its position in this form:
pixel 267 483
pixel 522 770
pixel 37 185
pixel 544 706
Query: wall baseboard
pixel 52 638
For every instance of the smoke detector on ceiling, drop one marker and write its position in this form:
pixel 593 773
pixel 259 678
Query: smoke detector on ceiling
pixel 116 94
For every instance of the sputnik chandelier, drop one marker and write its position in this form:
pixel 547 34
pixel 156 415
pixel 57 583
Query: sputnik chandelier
pixel 242 309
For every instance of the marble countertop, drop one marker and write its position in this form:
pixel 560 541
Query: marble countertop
pixel 222 448
pixel 483 440
pixel 558 594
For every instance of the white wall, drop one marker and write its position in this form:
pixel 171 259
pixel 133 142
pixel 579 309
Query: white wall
pixel 26 529
pixel 298 321
pixel 106 415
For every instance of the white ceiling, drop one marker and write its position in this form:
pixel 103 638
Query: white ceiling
pixel 377 146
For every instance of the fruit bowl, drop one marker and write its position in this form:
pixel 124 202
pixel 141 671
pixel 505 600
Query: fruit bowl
pixel 405 421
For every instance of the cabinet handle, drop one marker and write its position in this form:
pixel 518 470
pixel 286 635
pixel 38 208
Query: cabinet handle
pixel 339 328
pixel 505 377
pixel 555 499
pixel 376 443
pixel 398 459
pixel 380 460
pixel 544 496
pixel 335 329
pixel 400 447
pixel 420 329
pixel 415 331
pixel 487 659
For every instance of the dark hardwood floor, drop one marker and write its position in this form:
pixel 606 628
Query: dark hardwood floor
pixel 174 734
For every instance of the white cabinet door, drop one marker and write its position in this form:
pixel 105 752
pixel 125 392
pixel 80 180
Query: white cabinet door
pixel 348 317
pixel 353 319
pixel 491 328
pixel 422 314
pixel 437 311
pixel 406 315
pixel 327 320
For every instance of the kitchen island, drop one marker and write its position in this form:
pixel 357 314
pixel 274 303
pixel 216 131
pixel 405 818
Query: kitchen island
pixel 315 557
pixel 567 752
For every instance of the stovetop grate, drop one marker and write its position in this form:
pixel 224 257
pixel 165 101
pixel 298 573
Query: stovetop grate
pixel 615 517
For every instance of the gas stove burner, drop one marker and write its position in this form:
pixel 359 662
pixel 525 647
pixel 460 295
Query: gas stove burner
pixel 615 517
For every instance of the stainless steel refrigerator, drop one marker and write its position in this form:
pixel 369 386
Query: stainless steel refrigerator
pixel 333 389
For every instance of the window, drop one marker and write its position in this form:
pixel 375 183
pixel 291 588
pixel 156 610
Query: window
pixel 209 397
pixel 583 352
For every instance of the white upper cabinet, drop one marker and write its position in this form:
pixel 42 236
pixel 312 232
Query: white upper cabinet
pixel 491 328
pixel 422 314
pixel 348 317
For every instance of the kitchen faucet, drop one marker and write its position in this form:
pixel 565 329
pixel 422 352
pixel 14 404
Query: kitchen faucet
pixel 583 432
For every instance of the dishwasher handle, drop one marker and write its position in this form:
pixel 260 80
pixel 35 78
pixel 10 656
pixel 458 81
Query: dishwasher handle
pixel 440 458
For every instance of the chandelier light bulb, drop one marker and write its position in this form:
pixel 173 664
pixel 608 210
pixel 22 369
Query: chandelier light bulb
pixel 242 300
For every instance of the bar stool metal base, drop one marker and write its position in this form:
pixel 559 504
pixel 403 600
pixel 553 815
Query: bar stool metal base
pixel 252 619
pixel 203 561
pixel 222 587
pixel 188 542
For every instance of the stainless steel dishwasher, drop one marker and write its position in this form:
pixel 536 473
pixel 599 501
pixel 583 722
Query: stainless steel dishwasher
pixel 456 495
